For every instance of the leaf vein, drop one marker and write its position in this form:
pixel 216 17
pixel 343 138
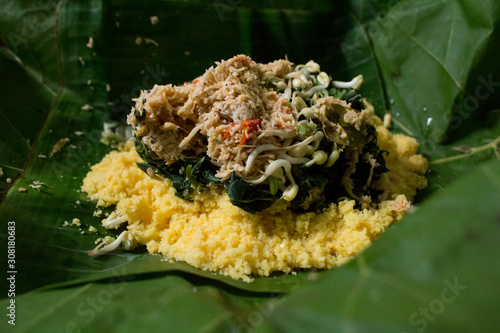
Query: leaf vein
pixel 15 128
pixel 52 308
pixel 426 50
pixel 451 33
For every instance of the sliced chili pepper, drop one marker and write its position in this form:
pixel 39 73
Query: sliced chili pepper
pixel 248 127
pixel 227 133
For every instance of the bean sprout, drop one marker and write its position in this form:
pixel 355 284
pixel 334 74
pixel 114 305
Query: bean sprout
pixel 318 157
pixel 114 221
pixel 291 192
pixel 323 79
pixel 334 156
pixel 281 134
pixel 308 113
pixel 288 90
pixel 278 174
pixel 299 151
pixel 317 142
pixel 298 83
pixel 287 142
pixel 103 247
pixel 308 93
pixel 298 102
pixel 312 66
pixel 355 83
pixel 253 155
pixel 298 75
pixel 306 72
pixel 272 167
pixel 257 151
pixel 291 159
pixel 280 85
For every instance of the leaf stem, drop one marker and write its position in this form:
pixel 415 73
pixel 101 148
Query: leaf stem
pixel 10 167
pixel 474 150
pixel 403 127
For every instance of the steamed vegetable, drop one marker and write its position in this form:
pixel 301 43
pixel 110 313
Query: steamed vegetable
pixel 311 145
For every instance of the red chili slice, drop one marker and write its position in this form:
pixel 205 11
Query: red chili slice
pixel 227 133
pixel 248 127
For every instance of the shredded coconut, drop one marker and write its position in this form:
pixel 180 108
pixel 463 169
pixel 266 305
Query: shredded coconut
pixel 220 102
pixel 154 20
pixel 151 41
pixel 90 43
pixel 87 107
pixel 36 185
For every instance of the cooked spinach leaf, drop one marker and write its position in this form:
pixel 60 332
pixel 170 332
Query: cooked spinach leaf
pixel 251 198
pixel 188 175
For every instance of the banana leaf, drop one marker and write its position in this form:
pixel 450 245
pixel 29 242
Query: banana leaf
pixel 67 66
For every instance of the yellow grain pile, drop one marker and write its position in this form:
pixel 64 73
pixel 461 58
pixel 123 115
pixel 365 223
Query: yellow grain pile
pixel 213 235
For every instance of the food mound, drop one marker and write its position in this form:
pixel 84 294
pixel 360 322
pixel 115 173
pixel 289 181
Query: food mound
pixel 263 132
pixel 254 168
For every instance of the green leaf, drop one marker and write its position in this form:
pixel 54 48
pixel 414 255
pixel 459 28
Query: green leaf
pixel 432 64
pixel 62 250
pixel 114 305
pixel 425 274
pixel 246 196
pixel 18 135
pixel 436 35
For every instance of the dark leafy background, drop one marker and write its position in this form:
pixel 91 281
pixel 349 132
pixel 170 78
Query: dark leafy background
pixel 432 65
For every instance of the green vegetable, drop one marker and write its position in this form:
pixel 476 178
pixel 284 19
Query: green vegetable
pixel 189 175
pixel 248 197
pixel 305 130
pixel 273 185
pixel 348 95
